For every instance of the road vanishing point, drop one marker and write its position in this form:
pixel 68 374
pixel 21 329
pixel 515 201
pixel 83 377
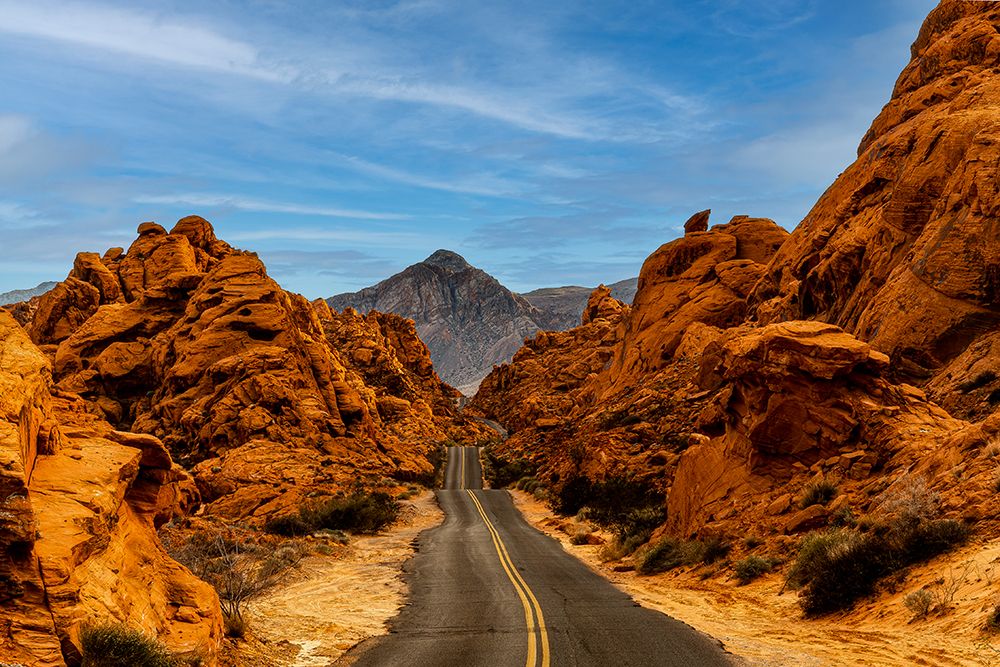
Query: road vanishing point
pixel 487 589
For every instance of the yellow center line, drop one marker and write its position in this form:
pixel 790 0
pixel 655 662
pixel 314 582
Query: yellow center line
pixel 461 480
pixel 523 591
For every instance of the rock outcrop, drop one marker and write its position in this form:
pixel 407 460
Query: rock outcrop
pixel 753 362
pixel 469 321
pixel 187 339
pixel 80 503
pixel 902 249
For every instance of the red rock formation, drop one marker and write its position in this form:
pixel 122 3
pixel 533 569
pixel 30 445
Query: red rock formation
pixel 702 277
pixel 187 339
pixel 721 396
pixel 77 524
pixel 902 249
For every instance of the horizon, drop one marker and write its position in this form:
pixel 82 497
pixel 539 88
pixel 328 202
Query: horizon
pixel 344 143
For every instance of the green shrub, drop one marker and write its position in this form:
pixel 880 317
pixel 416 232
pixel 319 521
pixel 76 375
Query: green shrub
pixel 712 549
pixel 113 645
pixel 503 472
pixel 580 538
pixel 818 492
pixel 359 512
pixel 838 567
pixel 664 555
pixel 620 503
pixel 289 525
pixel 751 568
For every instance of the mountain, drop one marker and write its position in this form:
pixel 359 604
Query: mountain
pixel 14 296
pixel 469 321
pixel 562 305
pixel 860 352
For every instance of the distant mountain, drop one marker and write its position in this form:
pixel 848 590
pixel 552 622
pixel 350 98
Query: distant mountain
pixel 15 296
pixel 563 306
pixel 465 316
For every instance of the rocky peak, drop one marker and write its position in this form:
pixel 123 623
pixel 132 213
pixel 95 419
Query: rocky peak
pixel 448 260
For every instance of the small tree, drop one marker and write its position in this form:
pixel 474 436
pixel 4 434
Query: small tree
pixel 235 564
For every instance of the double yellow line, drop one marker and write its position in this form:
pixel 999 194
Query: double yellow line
pixel 532 610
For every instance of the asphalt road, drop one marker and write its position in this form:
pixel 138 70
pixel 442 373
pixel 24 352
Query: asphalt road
pixel 488 589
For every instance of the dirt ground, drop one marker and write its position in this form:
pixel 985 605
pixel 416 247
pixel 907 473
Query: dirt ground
pixel 332 602
pixel 767 628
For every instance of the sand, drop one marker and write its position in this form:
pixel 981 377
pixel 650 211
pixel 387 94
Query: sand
pixel 332 602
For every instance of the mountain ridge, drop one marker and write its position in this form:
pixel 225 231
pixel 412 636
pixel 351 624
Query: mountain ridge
pixel 467 318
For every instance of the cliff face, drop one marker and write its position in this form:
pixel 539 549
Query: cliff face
pixel 752 362
pixel 469 321
pixel 77 528
pixel 187 339
pixel 902 249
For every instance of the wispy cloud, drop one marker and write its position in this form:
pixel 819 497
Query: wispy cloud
pixel 137 33
pixel 257 205
pixel 326 235
pixel 488 185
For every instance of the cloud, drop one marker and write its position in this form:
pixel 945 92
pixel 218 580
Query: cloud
pixel 607 223
pixel 140 34
pixel 318 234
pixel 486 184
pixel 242 203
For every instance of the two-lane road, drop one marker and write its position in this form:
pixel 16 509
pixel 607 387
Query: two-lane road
pixel 488 589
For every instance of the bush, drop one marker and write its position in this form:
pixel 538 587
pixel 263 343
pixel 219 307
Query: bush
pixel 919 602
pixel 751 568
pixel 620 503
pixel 666 554
pixel 503 472
pixel 670 553
pixel 819 492
pixel 235 562
pixel 838 567
pixel 580 538
pixel 359 512
pixel 113 645
pixel 712 549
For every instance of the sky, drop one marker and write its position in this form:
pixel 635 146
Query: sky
pixel 550 143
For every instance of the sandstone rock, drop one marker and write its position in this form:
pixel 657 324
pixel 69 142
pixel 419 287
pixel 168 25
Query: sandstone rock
pixel 698 222
pixel 78 540
pixel 188 340
pixel 895 251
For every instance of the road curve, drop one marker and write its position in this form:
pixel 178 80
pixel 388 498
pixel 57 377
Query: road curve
pixel 488 589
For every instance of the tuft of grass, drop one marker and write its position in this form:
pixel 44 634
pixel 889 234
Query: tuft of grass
pixel 114 645
pixel 818 492
pixel 666 554
pixel 235 626
pixel 751 568
pixel 580 538
pixel 919 602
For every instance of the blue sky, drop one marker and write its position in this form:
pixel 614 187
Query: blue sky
pixel 550 143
